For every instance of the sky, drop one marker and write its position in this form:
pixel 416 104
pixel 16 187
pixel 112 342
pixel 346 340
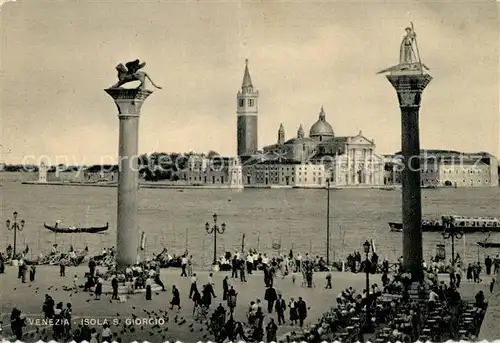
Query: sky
pixel 58 57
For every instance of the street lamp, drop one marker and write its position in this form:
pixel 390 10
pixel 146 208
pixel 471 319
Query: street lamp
pixel 15 226
pixel 366 249
pixel 215 229
pixel 450 231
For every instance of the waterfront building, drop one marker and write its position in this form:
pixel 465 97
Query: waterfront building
pixel 74 174
pixel 98 173
pixel 221 171
pixel 447 168
pixel 346 160
pixel 286 173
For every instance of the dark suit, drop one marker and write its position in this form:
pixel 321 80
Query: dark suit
pixel 270 297
pixel 280 310
pixel 302 310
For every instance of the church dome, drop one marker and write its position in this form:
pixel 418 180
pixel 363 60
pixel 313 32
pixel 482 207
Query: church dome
pixel 321 129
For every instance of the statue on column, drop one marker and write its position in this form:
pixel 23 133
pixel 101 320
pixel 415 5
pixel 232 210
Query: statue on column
pixel 406 53
pixel 409 56
pixel 131 72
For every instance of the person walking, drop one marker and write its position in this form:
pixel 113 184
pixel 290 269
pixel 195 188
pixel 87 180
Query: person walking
pixel 329 279
pixel 270 296
pixel 184 263
pixel 194 288
pixel 176 298
pixel 302 311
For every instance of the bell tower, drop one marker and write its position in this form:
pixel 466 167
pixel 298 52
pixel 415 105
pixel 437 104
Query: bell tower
pixel 281 135
pixel 247 111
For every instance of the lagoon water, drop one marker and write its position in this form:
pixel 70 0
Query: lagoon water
pixel 173 218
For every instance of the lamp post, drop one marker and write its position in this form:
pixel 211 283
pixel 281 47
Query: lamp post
pixel 15 226
pixel 215 229
pixel 328 222
pixel 366 248
pixel 450 231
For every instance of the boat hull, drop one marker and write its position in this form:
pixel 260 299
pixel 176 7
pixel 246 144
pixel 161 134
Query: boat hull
pixel 488 244
pixel 96 229
pixel 398 227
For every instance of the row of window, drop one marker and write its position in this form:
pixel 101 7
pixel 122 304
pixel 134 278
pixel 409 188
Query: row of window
pixel 475 171
pixel 275 180
pixel 251 102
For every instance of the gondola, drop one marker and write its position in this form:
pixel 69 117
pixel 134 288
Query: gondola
pixel 488 244
pixel 95 229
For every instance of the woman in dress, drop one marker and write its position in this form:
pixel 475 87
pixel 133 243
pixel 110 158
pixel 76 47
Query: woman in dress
pixel 294 315
pixel 176 298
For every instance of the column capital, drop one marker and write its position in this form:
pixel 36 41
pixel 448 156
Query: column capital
pixel 409 87
pixel 128 101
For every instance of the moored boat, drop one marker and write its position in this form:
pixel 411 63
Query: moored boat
pixel 73 229
pixel 488 244
pixel 464 224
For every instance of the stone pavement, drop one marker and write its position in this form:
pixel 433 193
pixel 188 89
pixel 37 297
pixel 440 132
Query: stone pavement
pixel 29 298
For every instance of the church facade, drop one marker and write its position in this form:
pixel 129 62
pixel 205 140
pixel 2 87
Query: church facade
pixel 343 160
pixel 303 161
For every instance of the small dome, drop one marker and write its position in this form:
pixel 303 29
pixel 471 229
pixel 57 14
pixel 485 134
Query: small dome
pixel 321 128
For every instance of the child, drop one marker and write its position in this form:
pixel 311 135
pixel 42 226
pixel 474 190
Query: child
pixel 75 280
pixel 294 276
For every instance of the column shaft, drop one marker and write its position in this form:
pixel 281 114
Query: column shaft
pixel 411 192
pixel 128 182
pixel 128 103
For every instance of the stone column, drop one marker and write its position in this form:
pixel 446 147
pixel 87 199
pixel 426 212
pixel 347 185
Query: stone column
pixel 129 103
pixel 409 87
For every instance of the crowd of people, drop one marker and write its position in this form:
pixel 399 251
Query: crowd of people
pixel 389 312
pixel 434 311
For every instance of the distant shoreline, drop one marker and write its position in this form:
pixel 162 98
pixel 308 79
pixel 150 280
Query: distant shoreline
pixel 186 186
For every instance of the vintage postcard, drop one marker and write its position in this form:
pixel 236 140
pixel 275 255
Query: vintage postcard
pixel 266 171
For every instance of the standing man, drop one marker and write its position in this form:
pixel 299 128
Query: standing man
pixel 184 262
pixel 270 296
pixel 114 285
pixel 280 309
pixel 488 263
pixel 302 311
pixel 234 267
pixel 242 266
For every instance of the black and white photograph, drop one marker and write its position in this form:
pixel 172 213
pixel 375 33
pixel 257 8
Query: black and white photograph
pixel 257 171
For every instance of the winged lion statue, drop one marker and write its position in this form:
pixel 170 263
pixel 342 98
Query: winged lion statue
pixel 131 72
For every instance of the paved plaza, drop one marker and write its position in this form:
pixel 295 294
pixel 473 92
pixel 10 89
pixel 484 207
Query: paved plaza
pixel 29 298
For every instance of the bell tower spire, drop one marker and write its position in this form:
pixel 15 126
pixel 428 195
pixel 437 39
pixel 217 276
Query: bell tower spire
pixel 247 80
pixel 281 135
pixel 247 111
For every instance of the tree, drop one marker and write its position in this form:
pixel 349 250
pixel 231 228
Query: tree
pixel 212 154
